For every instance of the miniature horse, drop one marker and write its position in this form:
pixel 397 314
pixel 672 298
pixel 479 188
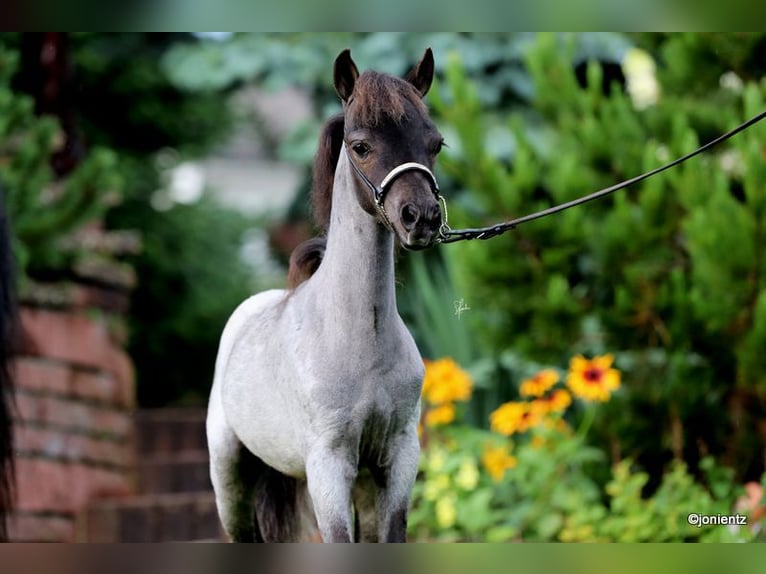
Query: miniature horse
pixel 315 402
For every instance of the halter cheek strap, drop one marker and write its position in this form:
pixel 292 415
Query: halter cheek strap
pixel 379 192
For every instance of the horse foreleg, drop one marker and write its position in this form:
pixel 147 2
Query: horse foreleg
pixel 393 495
pixel 330 473
pixel 234 473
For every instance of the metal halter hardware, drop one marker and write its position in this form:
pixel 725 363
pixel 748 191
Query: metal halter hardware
pixel 379 192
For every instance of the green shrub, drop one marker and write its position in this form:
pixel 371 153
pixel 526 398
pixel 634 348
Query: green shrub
pixel 668 273
pixel 42 208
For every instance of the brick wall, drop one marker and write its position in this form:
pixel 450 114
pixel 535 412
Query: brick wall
pixel 73 425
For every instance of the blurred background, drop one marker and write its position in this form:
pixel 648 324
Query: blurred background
pixel 154 181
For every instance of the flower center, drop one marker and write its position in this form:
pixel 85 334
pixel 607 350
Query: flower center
pixel 592 375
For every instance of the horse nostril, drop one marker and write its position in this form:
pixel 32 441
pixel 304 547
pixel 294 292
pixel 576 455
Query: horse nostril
pixel 409 216
pixel 435 216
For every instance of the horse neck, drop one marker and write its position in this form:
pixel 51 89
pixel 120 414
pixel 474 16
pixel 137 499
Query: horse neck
pixel 357 271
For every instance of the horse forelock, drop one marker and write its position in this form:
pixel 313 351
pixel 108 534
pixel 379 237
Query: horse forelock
pixel 378 98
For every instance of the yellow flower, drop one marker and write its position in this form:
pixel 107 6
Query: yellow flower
pixel 446 513
pixel 434 487
pixel 515 417
pixel 537 386
pixel 446 382
pixel 467 476
pixel 440 415
pixel 557 402
pixel 497 459
pixel 557 424
pixel 436 460
pixel 593 380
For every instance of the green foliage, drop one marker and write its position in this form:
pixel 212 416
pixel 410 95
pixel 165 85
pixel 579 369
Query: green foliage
pixel 550 495
pixel 190 272
pixel 43 209
pixel 669 272
pixel 127 101
pixel 437 313
pixel 191 275
pixel 190 280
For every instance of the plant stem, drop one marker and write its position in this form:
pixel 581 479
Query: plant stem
pixel 587 421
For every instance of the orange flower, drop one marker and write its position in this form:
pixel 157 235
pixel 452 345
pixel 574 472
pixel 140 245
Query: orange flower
pixel 513 417
pixel 593 380
pixel 446 382
pixel 537 386
pixel 497 460
pixel 440 415
pixel 557 402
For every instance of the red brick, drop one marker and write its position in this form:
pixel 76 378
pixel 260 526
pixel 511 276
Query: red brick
pixel 72 447
pixel 103 387
pixel 89 297
pixel 69 414
pixel 170 430
pixel 32 528
pixel 99 523
pixel 53 376
pixel 155 518
pixel 45 485
pixel 72 337
pixel 121 367
pixel 179 472
pixel 42 375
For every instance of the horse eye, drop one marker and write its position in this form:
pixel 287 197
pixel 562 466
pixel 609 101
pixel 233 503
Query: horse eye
pixel 438 147
pixel 361 149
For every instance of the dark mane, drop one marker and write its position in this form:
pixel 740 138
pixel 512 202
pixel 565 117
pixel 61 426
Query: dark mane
pixel 305 260
pixel 325 161
pixel 377 98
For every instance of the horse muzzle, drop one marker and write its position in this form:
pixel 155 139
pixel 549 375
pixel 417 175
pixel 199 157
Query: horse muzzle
pixel 420 223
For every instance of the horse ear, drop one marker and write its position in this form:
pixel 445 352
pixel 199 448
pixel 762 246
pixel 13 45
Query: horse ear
pixel 422 75
pixel 345 75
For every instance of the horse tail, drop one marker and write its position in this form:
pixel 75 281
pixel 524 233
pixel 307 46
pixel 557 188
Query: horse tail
pixel 8 332
pixel 283 508
pixel 305 260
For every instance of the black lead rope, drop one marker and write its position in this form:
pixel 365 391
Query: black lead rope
pixel 447 235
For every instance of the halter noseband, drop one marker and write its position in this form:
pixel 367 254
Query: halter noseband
pixel 379 192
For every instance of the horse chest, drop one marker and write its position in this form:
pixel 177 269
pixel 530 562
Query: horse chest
pixel 367 406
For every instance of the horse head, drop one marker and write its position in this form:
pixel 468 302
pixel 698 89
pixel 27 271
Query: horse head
pixel 392 144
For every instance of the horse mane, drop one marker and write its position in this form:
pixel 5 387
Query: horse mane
pixel 305 260
pixel 325 161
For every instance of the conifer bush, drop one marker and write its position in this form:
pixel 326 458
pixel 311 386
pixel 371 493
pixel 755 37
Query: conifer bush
pixel 667 275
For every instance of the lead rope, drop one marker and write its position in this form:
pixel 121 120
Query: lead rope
pixel 448 235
